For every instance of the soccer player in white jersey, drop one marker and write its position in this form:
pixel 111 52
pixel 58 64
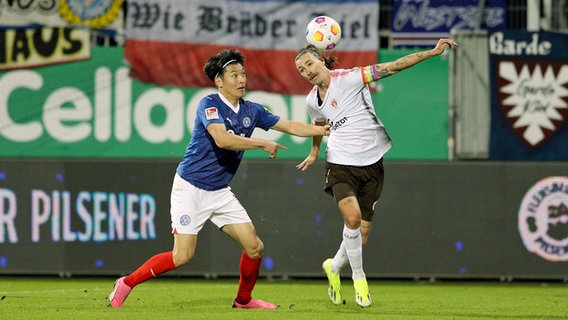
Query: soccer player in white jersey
pixel 355 149
pixel 201 192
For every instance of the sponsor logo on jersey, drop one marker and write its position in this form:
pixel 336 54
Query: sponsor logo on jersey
pixel 336 124
pixel 211 113
pixel 543 219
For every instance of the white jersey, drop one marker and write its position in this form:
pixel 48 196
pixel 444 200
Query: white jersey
pixel 358 137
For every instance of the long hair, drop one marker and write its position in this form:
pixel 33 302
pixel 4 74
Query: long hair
pixel 329 57
pixel 215 65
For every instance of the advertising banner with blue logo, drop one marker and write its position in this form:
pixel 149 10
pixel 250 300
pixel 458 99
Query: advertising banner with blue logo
pixel 529 96
pixel 420 23
pixel 106 14
pixel 40 33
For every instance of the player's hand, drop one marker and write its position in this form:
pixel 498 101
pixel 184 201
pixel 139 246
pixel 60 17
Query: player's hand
pixel 304 165
pixel 443 44
pixel 272 149
pixel 327 130
pixel 323 130
pixel 323 123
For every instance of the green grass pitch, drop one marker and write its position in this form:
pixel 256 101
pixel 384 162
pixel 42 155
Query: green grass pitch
pixel 190 298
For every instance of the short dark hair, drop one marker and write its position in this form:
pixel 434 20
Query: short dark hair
pixel 216 64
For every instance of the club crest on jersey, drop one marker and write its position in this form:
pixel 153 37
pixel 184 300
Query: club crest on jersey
pixel 543 219
pixel 247 122
pixel 334 103
pixel 185 220
pixel 211 113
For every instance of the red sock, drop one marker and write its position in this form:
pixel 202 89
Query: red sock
pixel 249 269
pixel 156 265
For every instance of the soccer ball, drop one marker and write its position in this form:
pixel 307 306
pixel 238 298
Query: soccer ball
pixel 323 32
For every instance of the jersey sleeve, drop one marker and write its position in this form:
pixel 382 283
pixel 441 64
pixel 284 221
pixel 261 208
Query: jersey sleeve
pixel 355 77
pixel 311 106
pixel 208 112
pixel 315 114
pixel 266 119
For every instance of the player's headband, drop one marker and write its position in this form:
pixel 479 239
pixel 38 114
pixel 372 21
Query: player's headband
pixel 223 67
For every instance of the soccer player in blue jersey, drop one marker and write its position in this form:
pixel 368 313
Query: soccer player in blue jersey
pixel 201 192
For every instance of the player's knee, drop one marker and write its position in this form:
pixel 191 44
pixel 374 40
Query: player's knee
pixel 353 222
pixel 256 250
pixel 181 257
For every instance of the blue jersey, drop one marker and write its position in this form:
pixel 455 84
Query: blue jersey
pixel 207 166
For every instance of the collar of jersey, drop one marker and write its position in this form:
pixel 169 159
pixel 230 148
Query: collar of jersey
pixel 235 109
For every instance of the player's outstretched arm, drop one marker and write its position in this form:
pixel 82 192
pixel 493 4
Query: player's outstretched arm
pixel 386 69
pixel 226 140
pixel 300 129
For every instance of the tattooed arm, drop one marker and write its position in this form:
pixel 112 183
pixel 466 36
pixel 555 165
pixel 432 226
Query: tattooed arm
pixel 382 70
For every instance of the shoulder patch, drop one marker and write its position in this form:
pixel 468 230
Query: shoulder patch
pixel 211 113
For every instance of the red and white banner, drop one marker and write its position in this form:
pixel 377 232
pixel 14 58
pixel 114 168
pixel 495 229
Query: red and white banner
pixel 168 41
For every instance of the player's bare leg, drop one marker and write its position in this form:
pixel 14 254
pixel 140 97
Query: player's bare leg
pixel 245 235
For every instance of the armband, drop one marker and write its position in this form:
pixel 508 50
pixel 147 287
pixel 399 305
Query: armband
pixel 370 73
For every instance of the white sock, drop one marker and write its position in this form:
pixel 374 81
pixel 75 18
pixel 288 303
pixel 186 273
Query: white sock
pixel 340 259
pixel 354 250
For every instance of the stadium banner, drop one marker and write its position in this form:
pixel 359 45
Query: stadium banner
pixel 36 46
pixel 529 96
pixel 93 109
pixel 420 23
pixel 168 41
pixel 61 13
pixel 101 217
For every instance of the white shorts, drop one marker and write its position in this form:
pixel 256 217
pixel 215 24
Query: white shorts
pixel 191 207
